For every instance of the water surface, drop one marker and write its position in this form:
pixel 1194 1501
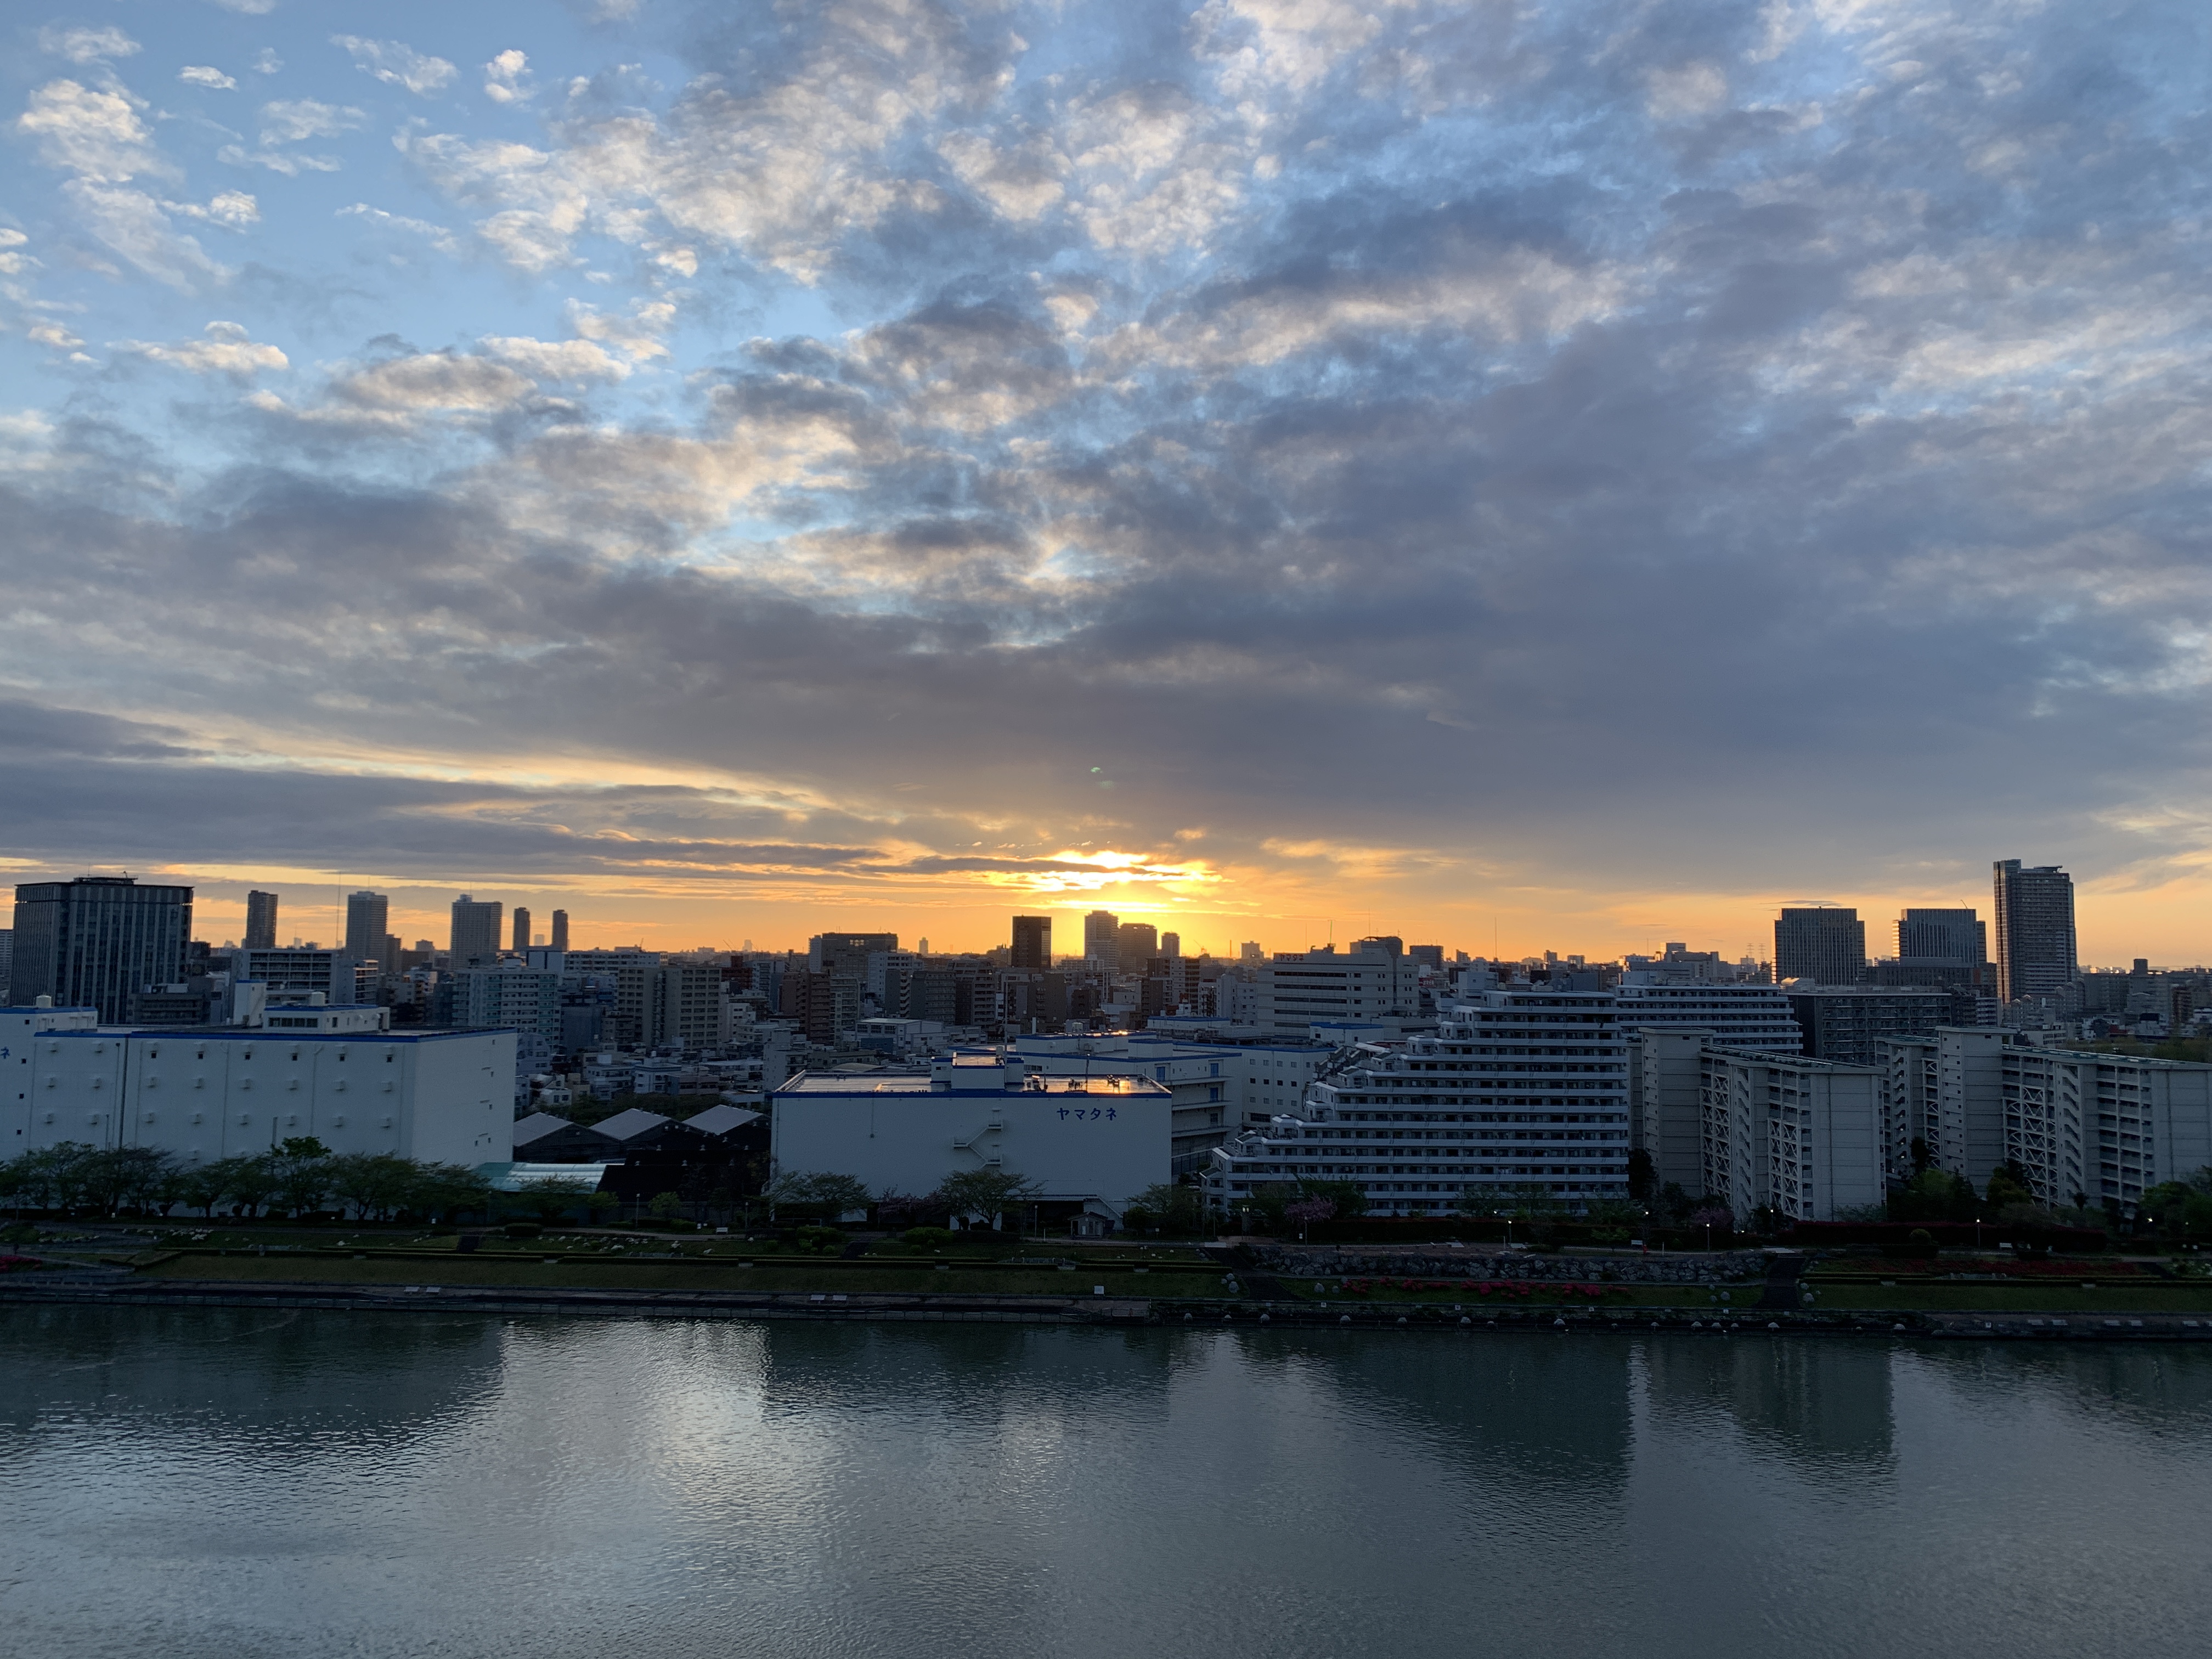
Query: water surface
pixel 212 1482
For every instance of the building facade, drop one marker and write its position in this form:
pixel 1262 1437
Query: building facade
pixel 2035 952
pixel 97 942
pixel 475 935
pixel 1798 1136
pixel 444 1097
pixel 1826 944
pixel 1843 1023
pixel 1522 1087
pixel 368 917
pixel 1297 989
pixel 1032 947
pixel 260 921
pixel 1088 1145
pixel 1739 1015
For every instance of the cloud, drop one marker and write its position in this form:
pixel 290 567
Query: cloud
pixel 506 78
pixel 266 62
pixel 1546 459
pixel 88 46
pixel 94 134
pixel 562 360
pixel 397 64
pixel 224 348
pixel 248 7
pixel 290 120
pixel 200 75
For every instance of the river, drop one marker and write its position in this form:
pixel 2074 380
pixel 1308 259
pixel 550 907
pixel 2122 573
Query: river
pixel 181 1483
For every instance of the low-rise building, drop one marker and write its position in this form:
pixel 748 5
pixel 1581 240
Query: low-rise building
pixel 1088 1145
pixel 442 1096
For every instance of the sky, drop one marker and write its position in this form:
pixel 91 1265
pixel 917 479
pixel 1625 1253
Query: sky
pixel 1513 475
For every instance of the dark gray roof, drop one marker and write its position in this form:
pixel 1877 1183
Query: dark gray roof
pixel 634 1122
pixel 720 1119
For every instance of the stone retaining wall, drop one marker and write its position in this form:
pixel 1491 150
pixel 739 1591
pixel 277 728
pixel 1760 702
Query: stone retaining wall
pixel 1352 1262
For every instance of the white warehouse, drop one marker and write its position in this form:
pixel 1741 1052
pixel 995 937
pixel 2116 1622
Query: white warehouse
pixel 1089 1145
pixel 208 1092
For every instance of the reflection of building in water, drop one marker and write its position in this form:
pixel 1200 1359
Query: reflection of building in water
pixel 1552 1414
pixel 270 1378
pixel 1825 1407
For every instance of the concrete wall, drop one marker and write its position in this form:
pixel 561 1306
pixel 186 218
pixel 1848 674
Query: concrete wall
pixel 908 1142
pixel 202 1096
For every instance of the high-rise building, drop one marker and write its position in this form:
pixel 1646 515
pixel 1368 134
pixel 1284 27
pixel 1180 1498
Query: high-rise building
pixel 521 927
pixel 2035 953
pixel 1171 945
pixel 97 941
pixel 1826 944
pixel 1942 933
pixel 476 930
pixel 1249 951
pixel 1032 950
pixel 1135 943
pixel 1102 938
pixel 847 954
pixel 260 920
pixel 560 939
pixel 368 914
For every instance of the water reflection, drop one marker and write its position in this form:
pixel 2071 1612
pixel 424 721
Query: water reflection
pixel 1823 1406
pixel 234 1484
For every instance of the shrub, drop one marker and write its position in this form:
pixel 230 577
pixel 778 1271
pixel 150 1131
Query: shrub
pixel 928 1238
pixel 522 1228
pixel 824 1240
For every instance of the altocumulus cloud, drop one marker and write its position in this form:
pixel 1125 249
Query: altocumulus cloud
pixel 1583 449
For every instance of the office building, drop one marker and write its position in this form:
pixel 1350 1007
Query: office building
pixel 1102 938
pixel 1250 952
pixel 367 916
pixel 1032 949
pixel 1297 989
pixel 98 941
pixel 1171 945
pixel 1826 944
pixel 1953 935
pixel 1088 1145
pixel 297 973
pixel 260 921
pixel 847 954
pixel 7 954
pixel 1843 1023
pixel 1522 1087
pixel 522 940
pixel 560 938
pixel 442 1096
pixel 2035 949
pixel 1135 943
pixel 475 935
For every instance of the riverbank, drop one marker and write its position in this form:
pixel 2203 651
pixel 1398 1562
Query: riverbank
pixel 121 1288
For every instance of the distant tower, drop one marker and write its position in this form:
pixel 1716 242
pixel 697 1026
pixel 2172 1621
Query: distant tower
pixel 1826 944
pixel 521 927
pixel 260 920
pixel 368 914
pixel 1102 936
pixel 97 942
pixel 1032 943
pixel 1136 943
pixel 2035 949
pixel 1171 944
pixel 560 930
pixel 476 930
pixel 1249 951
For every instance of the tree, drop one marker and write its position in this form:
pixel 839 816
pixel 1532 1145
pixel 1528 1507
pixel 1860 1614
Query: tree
pixel 2008 1186
pixel 1642 1175
pixel 249 1181
pixel 986 1192
pixel 300 1173
pixel 665 1206
pixel 1176 1211
pixel 546 1202
pixel 835 1194
pixel 374 1183
pixel 1349 1197
pixel 1305 1213
pixel 439 1190
pixel 195 1186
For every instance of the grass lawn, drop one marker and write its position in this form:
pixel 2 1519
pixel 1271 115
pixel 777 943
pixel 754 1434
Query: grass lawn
pixel 2142 1297
pixel 1541 1295
pixel 481 1269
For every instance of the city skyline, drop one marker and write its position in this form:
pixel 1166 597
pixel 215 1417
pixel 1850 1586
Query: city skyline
pixel 1590 474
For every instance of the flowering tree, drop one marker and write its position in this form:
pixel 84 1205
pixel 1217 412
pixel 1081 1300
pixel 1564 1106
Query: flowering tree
pixel 1305 1212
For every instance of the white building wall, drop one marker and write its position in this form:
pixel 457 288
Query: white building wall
pixel 909 1141
pixel 442 1098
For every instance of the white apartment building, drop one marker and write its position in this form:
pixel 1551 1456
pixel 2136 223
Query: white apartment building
pixel 1089 1144
pixel 1739 1016
pixel 211 1093
pixel 1299 989
pixel 1800 1136
pixel 1521 1087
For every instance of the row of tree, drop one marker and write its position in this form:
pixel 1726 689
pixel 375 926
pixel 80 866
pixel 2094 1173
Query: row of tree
pixel 301 1176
